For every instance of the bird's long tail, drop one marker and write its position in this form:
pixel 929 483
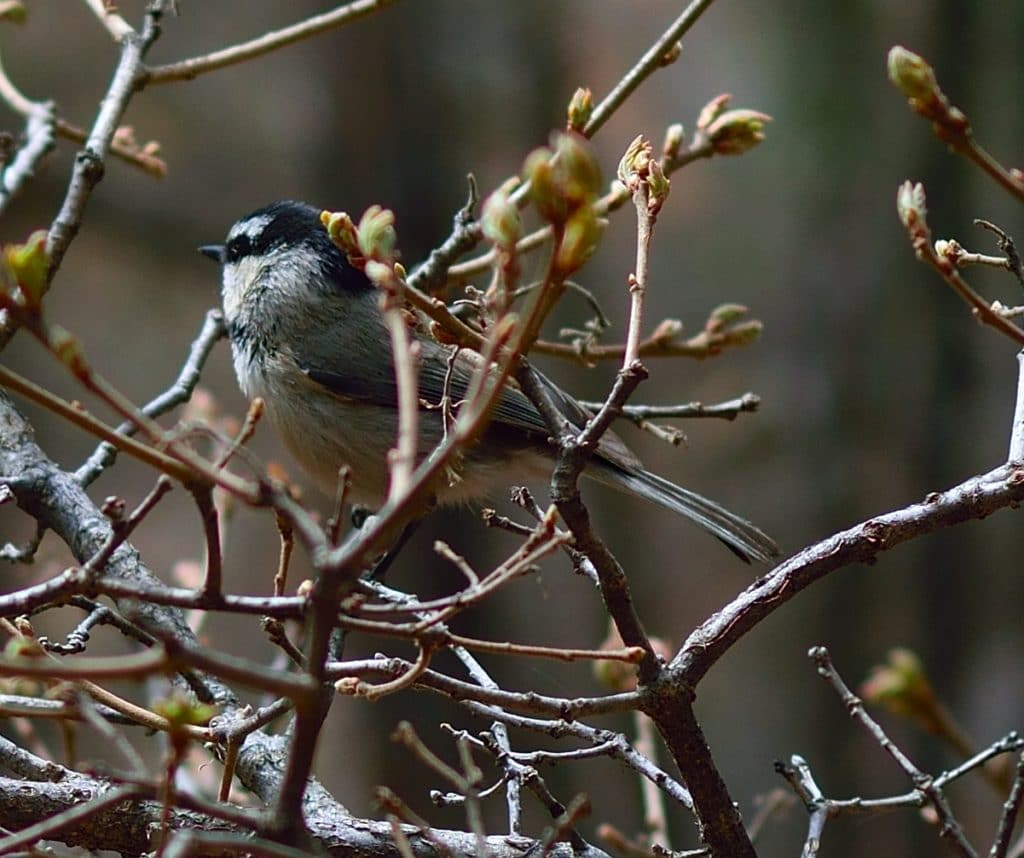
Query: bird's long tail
pixel 739 535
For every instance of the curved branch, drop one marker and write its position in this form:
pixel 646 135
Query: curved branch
pixel 972 499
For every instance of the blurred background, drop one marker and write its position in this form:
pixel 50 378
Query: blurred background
pixel 877 385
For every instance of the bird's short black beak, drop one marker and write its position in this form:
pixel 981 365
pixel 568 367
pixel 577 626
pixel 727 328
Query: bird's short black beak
pixel 214 252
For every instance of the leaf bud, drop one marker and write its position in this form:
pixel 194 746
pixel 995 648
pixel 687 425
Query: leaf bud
pixel 30 265
pixel 737 131
pixel 712 110
pixel 377 237
pixel 582 235
pixel 342 231
pixel 910 204
pixel 581 106
pixel 912 74
pixel 499 218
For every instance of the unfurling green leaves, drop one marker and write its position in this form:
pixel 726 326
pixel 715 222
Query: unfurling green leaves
pixel 377 237
pixel 23 646
pixel 638 167
pixel 342 231
pixel 634 161
pixel 712 110
pixel 182 711
pixel 579 172
pixel 737 131
pixel 581 106
pixel 731 132
pixel 544 189
pixel 374 238
pixel 28 265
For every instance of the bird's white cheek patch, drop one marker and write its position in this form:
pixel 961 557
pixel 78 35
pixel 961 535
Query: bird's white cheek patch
pixel 240 278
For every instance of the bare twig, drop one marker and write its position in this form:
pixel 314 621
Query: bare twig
pixel 729 409
pixel 40 119
pixel 918 82
pixel 1011 809
pixel 432 275
pixel 89 164
pixel 244 51
pixel 799 776
pixel 650 62
pixel 653 799
pixel 1012 260
pixel 910 203
pixel 117 26
pixel 517 701
pixel 950 829
pixel 144 157
pixel 180 391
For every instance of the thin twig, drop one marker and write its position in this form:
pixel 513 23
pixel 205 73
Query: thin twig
pixel 432 275
pixel 347 673
pixel 40 119
pixel 650 62
pixel 144 157
pixel 89 165
pixel 950 829
pixel 1016 451
pixel 180 391
pixel 90 713
pixel 244 51
pixel 653 799
pixel 1011 809
pixel 106 12
pixel 728 409
pixel 1006 244
pixel 910 203
pixel 916 78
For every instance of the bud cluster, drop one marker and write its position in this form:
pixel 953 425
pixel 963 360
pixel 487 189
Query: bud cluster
pixel 371 243
pixel 565 181
pixel 639 169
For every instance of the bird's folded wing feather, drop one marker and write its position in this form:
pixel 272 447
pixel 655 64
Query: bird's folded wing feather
pixel 513 408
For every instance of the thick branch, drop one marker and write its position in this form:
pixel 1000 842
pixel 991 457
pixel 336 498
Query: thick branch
pixel 973 499
pixel 127 827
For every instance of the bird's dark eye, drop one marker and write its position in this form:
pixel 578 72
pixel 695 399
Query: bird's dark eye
pixel 238 247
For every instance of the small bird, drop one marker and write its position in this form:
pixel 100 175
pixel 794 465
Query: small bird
pixel 308 336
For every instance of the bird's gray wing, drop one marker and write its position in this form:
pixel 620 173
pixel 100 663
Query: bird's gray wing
pixel 513 408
